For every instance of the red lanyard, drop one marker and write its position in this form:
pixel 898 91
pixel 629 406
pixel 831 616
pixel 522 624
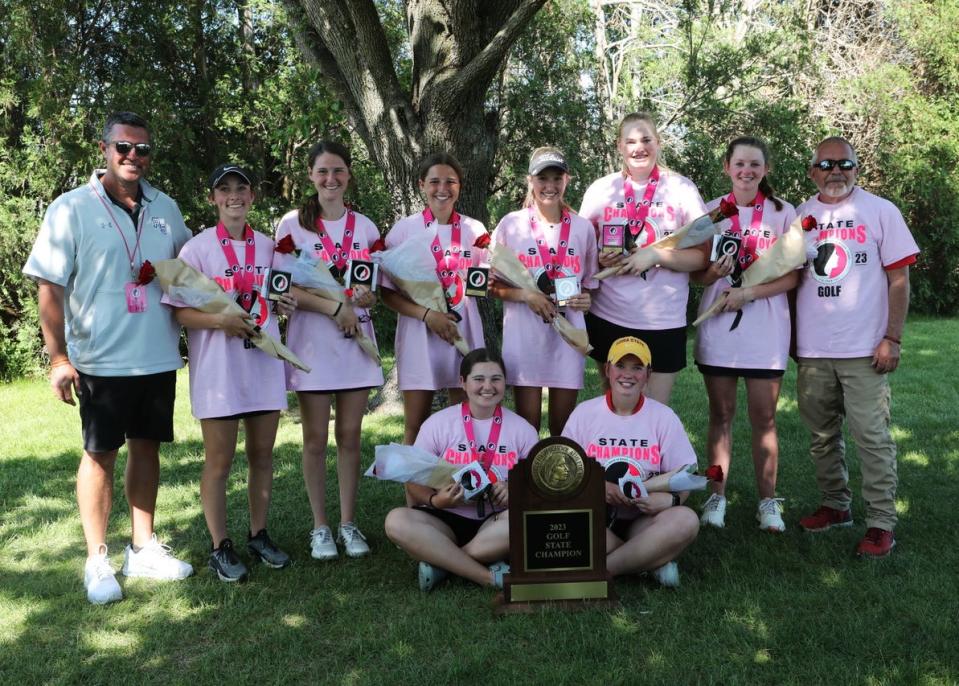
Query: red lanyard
pixel 131 255
pixel 489 450
pixel 551 262
pixel 446 265
pixel 242 280
pixel 340 256
pixel 754 225
pixel 637 215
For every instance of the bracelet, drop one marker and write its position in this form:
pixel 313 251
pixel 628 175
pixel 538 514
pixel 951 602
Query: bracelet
pixel 894 340
pixel 426 312
pixel 59 362
pixel 430 501
pixel 339 306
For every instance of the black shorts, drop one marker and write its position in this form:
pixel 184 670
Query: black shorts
pixel 115 408
pixel 668 346
pixel 710 370
pixel 241 415
pixel 464 528
pixel 620 527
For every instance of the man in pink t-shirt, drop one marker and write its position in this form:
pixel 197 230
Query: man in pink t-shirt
pixel 850 310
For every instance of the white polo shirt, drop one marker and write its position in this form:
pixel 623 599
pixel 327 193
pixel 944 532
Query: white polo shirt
pixel 80 248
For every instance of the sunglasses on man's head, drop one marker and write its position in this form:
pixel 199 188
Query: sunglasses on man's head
pixel 829 165
pixel 124 147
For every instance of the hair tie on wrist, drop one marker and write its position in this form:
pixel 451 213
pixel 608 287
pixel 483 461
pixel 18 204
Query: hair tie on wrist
pixel 59 362
pixel 426 312
pixel 339 307
pixel 894 340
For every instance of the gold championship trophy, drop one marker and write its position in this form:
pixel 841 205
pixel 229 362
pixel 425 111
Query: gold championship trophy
pixel 557 529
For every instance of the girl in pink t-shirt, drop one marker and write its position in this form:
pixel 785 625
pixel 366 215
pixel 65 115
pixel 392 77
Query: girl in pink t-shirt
pixel 631 434
pixel 426 359
pixel 554 243
pixel 442 530
pixel 645 201
pixel 230 379
pixel 751 338
pixel 320 333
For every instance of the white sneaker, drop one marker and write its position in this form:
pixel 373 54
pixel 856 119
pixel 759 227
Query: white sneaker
pixel 770 515
pixel 100 580
pixel 322 545
pixel 353 540
pixel 714 511
pixel 497 571
pixel 428 576
pixel 154 561
pixel 667 575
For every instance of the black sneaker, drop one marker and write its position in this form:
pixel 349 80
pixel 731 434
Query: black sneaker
pixel 226 564
pixel 262 548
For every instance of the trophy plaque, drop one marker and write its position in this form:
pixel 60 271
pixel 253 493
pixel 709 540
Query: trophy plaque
pixel 557 529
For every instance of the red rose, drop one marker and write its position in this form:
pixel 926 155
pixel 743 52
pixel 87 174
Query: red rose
pixel 379 245
pixel 482 242
pixel 714 473
pixel 147 273
pixel 728 209
pixel 809 223
pixel 285 245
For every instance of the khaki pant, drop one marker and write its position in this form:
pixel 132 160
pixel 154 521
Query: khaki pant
pixel 830 389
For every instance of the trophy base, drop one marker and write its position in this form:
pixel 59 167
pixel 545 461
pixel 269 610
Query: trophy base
pixel 528 593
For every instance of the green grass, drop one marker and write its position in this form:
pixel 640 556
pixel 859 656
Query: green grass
pixel 753 608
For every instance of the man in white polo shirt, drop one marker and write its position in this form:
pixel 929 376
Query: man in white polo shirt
pixel 112 342
pixel 850 310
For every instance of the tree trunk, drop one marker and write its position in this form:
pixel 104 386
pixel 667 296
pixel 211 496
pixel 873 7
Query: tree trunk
pixel 457 49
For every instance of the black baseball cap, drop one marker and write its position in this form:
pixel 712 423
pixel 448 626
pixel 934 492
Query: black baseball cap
pixel 546 160
pixel 226 169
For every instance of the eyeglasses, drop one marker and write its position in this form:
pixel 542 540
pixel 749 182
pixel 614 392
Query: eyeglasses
pixel 829 165
pixel 140 149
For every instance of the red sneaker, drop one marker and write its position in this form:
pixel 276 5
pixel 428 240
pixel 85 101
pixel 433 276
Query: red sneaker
pixel 826 518
pixel 876 543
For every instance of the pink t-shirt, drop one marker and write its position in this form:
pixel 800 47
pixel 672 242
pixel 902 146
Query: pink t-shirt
pixel 444 435
pixel 226 378
pixel 657 301
pixel 535 355
pixel 650 441
pixel 337 363
pixel 424 361
pixel 761 341
pixel 842 304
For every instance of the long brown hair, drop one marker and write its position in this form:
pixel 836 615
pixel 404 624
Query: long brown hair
pixel 310 209
pixel 751 141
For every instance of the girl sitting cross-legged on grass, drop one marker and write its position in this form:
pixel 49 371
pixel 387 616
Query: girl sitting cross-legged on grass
pixel 231 379
pixel 441 529
pixel 643 533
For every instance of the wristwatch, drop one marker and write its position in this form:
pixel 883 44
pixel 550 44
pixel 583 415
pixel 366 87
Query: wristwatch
pixel 676 500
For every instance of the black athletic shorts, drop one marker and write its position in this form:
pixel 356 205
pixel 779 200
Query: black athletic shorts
pixel 618 526
pixel 115 408
pixel 464 528
pixel 710 370
pixel 668 346
pixel 242 415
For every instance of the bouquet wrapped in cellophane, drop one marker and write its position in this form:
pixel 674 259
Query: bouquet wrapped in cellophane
pixel 508 268
pixel 412 268
pixel 409 464
pixel 785 255
pixel 689 235
pixel 313 276
pixel 185 284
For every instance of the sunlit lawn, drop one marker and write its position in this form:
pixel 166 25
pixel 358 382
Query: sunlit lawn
pixel 753 608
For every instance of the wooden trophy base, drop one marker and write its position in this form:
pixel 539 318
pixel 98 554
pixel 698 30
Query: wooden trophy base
pixel 533 592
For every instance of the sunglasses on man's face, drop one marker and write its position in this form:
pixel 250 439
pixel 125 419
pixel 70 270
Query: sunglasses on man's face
pixel 140 149
pixel 829 165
